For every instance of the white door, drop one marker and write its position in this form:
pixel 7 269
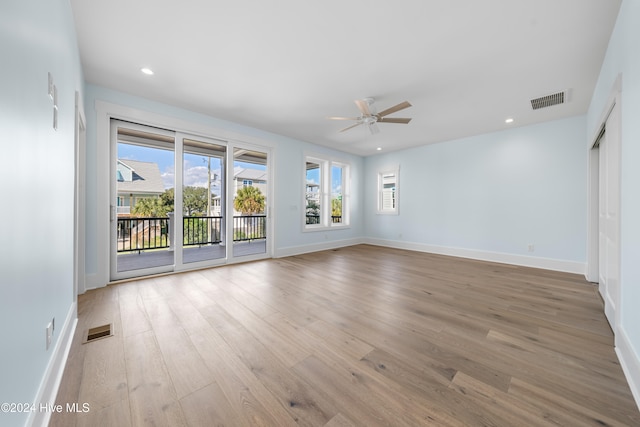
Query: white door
pixel 609 218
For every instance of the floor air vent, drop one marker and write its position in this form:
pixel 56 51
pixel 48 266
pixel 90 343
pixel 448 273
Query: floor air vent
pixel 549 100
pixel 98 332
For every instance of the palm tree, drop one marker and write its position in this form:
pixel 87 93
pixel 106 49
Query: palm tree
pixel 249 201
pixel 150 207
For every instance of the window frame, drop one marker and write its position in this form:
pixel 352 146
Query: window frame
pixel 380 209
pixel 326 166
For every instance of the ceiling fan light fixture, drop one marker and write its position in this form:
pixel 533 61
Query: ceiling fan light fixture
pixel 369 116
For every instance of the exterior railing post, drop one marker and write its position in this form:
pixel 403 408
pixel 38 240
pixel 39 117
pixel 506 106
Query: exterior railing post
pixel 171 231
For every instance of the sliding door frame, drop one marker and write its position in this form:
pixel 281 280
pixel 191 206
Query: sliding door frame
pixel 98 262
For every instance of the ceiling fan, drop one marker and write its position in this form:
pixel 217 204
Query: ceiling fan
pixel 370 118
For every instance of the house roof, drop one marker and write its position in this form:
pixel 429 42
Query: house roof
pixel 252 174
pixel 146 178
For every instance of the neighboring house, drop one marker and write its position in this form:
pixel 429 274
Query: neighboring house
pixel 249 178
pixel 242 178
pixel 136 180
pixel 312 195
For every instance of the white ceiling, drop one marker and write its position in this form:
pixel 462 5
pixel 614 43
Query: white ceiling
pixel 285 65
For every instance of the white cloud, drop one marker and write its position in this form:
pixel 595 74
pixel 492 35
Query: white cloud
pixel 194 176
pixel 168 177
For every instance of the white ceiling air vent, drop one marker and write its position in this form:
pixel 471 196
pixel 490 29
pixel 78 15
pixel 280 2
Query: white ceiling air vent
pixel 549 100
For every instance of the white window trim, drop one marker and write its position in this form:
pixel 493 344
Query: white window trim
pixel 326 165
pixel 379 208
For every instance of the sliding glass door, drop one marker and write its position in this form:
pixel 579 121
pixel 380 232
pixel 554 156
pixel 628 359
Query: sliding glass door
pixel 140 200
pixel 203 200
pixel 250 196
pixel 169 209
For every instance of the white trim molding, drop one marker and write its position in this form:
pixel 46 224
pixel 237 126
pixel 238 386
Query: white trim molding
pixel 504 258
pixel 52 378
pixel 629 361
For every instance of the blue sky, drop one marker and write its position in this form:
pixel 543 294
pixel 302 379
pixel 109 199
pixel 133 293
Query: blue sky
pixel 313 176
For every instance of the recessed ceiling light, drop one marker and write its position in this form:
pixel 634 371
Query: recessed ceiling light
pixel 509 120
pixel 147 71
pixel 379 148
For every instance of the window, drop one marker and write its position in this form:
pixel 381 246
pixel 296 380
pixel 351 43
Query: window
pixel 326 195
pixel 247 183
pixel 388 192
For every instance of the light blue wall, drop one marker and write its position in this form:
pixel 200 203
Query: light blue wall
pixel 288 174
pixel 623 56
pixel 498 192
pixel 37 179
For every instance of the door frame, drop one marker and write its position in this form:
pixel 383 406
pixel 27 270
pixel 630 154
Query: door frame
pixel 593 250
pixel 98 261
pixel 80 177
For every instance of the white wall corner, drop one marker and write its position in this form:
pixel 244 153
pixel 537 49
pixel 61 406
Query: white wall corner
pixel 499 257
pixel 52 378
pixel 630 362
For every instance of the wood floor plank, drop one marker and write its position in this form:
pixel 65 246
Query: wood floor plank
pixel 433 391
pixel 208 407
pixel 571 412
pixel 152 396
pixel 306 406
pixel 185 366
pixel 325 378
pixel 248 398
pixel 336 338
pixel 104 376
pixel 285 348
pixel 133 314
pixel 339 421
pixel 118 414
pixel 357 336
pixel 499 407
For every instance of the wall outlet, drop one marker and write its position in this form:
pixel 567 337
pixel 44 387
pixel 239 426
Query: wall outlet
pixel 531 248
pixel 49 334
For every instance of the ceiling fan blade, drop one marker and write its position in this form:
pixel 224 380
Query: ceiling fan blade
pixel 401 106
pixel 350 127
pixel 363 106
pixel 394 120
pixel 343 118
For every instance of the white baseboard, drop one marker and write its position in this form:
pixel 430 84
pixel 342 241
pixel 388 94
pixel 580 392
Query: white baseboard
pixel 522 260
pixel 630 362
pixel 316 247
pixel 48 389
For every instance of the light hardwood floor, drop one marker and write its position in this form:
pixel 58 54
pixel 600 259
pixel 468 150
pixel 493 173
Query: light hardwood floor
pixel 360 336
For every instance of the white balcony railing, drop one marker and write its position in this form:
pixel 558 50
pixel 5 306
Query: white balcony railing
pixel 124 210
